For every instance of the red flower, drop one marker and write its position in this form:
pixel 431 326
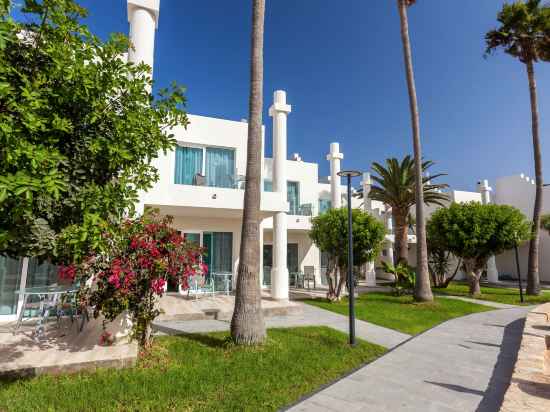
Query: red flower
pixel 157 285
pixel 66 272
pixel 114 280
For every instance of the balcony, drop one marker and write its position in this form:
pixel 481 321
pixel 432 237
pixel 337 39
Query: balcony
pixel 202 200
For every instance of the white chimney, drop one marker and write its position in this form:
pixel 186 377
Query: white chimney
pixel 143 16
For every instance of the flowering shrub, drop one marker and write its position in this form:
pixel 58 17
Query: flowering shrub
pixel 143 255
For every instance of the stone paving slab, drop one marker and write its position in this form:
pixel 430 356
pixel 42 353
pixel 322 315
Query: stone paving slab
pixel 308 316
pixel 464 364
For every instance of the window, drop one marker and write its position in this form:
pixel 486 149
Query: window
pixel 268 185
pixel 216 164
pixel 324 205
pixel 293 195
pixel 188 165
pixel 220 167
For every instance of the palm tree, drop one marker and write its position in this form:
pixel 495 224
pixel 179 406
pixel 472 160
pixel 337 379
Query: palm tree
pixel 525 35
pixel 395 186
pixel 247 324
pixel 422 290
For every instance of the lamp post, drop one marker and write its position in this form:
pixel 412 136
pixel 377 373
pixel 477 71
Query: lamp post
pixel 518 270
pixel 349 174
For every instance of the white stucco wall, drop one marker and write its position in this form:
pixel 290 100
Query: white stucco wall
pixel 519 191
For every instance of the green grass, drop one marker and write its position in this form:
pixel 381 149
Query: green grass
pixel 501 295
pixel 401 313
pixel 201 373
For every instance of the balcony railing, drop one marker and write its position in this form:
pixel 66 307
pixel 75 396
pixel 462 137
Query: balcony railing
pixel 305 209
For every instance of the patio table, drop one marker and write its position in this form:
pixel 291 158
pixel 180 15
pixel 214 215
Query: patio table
pixel 48 298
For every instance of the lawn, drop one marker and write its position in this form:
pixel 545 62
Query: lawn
pixel 401 313
pixel 201 373
pixel 501 295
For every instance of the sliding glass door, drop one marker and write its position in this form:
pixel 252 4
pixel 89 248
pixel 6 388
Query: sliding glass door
pixel 292 261
pixel 219 253
pixel 293 195
pixel 10 279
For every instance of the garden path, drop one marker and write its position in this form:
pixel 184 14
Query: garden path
pixel 309 316
pixel 464 364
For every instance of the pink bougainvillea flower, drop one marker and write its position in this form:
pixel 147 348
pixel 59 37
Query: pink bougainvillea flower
pixel 157 285
pixel 114 280
pixel 66 272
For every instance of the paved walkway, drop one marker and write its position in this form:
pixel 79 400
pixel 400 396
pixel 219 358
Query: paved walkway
pixel 497 305
pixel 464 364
pixel 310 316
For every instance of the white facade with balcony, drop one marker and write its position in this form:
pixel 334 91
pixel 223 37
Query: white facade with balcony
pixel 201 185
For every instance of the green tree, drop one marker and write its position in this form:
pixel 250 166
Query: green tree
pixel 524 34
pixel 78 131
pixel 422 290
pixel 441 261
pixel 395 185
pixel 247 324
pixel 475 232
pixel 329 232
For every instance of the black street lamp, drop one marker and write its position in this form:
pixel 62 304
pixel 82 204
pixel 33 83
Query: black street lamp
pixel 349 174
pixel 518 270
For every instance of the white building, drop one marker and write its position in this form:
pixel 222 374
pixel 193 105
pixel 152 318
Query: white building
pixel 201 185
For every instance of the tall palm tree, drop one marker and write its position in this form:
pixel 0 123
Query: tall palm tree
pixel 422 289
pixel 247 324
pixel 524 34
pixel 395 186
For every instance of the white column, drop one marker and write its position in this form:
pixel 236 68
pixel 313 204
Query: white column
pixel 143 17
pixel 334 157
pixel 389 227
pixel 279 272
pixel 485 190
pixel 370 272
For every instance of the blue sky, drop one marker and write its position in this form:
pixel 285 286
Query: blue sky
pixel 342 67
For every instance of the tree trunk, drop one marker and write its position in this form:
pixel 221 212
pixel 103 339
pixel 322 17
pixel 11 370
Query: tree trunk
pixel 474 274
pixel 401 236
pixel 247 324
pixel 475 289
pixel 533 280
pixel 341 281
pixel 422 289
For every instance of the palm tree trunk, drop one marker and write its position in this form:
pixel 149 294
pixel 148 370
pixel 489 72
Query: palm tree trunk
pixel 533 280
pixel 247 324
pixel 422 289
pixel 401 237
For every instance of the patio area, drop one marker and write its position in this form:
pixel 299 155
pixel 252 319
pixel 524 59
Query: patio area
pixel 60 349
pixel 63 349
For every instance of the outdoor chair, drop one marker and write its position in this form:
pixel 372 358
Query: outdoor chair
pixel 200 285
pixel 296 279
pixel 240 181
pixel 200 180
pixel 306 209
pixel 309 276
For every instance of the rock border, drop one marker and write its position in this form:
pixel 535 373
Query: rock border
pixel 529 388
